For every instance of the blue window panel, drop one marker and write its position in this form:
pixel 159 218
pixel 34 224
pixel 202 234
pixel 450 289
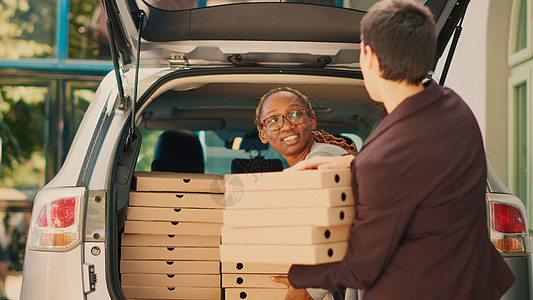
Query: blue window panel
pixel 63 9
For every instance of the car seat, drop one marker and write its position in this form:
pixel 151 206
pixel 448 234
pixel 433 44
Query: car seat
pixel 251 142
pixel 178 151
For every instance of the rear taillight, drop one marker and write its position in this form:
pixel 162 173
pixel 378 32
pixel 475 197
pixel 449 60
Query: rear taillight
pixel 55 221
pixel 507 219
pixel 59 213
pixel 509 231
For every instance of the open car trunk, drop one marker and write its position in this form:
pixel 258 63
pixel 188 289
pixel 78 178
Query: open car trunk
pixel 216 60
pixel 218 108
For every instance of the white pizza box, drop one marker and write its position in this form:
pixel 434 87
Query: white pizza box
pixel 285 235
pixel 300 180
pixel 285 254
pixel 171 292
pixel 177 280
pixel 326 197
pixel 171 227
pixel 314 216
pixel 170 253
pixel 255 294
pixel 169 267
pixel 238 267
pixel 176 200
pixel 174 214
pixel 132 239
pixel 249 280
pixel 177 182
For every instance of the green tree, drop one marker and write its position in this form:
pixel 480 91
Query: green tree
pixel 22 120
pixel 27 28
pixel 84 29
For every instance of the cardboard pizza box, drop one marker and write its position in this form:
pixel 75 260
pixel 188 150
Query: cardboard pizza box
pixel 255 293
pixel 170 253
pixel 171 292
pixel 166 227
pixel 176 200
pixel 177 182
pixel 314 216
pixel 238 267
pixel 288 235
pixel 174 214
pixel 327 197
pixel 301 180
pixel 131 239
pixel 169 267
pixel 284 254
pixel 177 280
pixel 249 280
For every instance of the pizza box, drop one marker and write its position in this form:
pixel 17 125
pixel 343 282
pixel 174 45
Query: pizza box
pixel 177 280
pixel 287 235
pixel 284 254
pixel 167 227
pixel 301 180
pixel 174 214
pixel 176 200
pixel 314 216
pixel 170 253
pixel 327 197
pixel 238 267
pixel 169 267
pixel 171 292
pixel 249 280
pixel 177 182
pixel 255 294
pixel 132 239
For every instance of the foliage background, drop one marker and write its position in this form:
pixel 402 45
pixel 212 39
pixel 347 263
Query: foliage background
pixel 28 30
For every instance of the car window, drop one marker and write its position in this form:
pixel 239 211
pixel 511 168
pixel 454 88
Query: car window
pixel 218 155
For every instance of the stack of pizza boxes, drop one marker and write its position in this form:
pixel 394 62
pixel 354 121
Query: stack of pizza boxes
pixel 171 240
pixel 274 220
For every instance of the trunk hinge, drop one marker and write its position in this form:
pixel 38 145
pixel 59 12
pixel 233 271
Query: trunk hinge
pixel 89 278
pixel 114 55
pixel 178 61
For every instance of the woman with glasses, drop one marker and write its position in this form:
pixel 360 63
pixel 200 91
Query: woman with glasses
pixel 286 121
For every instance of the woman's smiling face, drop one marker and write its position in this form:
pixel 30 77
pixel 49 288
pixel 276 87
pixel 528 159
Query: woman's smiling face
pixel 291 140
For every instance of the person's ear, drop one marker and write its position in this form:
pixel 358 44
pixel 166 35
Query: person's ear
pixel 262 135
pixel 313 123
pixel 372 59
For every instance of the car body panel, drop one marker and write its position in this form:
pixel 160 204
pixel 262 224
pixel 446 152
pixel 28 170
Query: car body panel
pixel 521 288
pixel 53 275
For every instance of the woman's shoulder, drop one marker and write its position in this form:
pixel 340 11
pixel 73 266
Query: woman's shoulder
pixel 323 149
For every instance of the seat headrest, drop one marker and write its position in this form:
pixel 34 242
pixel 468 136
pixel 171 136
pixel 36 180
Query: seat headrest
pixel 178 151
pixel 251 141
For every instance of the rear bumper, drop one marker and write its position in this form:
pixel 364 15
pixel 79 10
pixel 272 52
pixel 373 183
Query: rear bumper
pixel 521 289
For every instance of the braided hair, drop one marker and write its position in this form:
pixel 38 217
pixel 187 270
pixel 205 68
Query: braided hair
pixel 318 136
pixel 324 137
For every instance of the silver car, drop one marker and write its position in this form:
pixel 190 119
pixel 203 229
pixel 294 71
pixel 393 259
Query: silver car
pixel 201 66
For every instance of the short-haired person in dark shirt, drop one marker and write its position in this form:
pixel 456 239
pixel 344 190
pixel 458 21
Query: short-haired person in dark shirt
pixel 420 230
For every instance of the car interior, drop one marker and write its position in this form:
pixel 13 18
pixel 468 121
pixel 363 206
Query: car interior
pixel 206 125
pixel 220 112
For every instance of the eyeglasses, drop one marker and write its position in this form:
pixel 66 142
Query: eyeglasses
pixel 294 117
